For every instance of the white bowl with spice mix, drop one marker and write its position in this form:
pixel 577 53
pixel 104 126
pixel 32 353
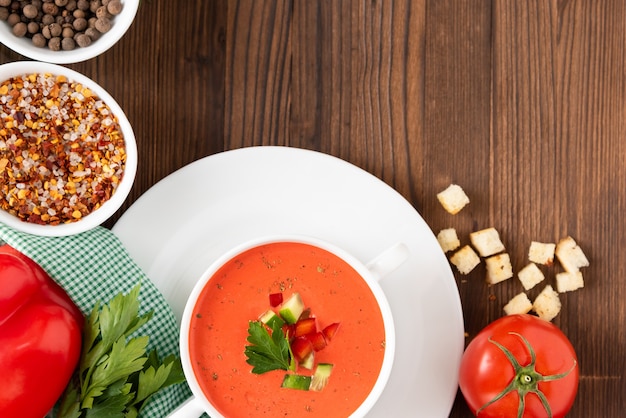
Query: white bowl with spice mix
pixel 68 155
pixel 64 31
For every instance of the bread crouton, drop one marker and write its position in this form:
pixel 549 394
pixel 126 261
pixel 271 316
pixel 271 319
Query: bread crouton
pixel 465 259
pixel 487 242
pixel 570 255
pixel 453 199
pixel 448 239
pixel 547 304
pixel 498 268
pixel 519 304
pixel 530 276
pixel 541 253
pixel 568 281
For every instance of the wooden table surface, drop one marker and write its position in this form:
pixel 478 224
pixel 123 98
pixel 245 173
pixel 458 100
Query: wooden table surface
pixel 522 103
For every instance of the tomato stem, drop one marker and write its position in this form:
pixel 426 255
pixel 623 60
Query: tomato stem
pixel 526 379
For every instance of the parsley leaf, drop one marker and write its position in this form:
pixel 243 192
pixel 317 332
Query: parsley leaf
pixel 116 375
pixel 267 352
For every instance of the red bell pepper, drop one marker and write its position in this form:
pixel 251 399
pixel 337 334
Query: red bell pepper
pixel 305 326
pixel 40 337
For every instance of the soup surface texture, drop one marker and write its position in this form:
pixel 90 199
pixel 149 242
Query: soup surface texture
pixel 239 292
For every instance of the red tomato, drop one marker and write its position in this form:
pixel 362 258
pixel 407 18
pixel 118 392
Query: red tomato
pixel 519 365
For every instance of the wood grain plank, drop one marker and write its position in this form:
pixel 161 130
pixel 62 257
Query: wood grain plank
pixel 554 120
pixel 457 104
pixel 257 75
pixel 457 127
pixel 386 82
pixel 591 101
pixel 523 153
pixel 337 73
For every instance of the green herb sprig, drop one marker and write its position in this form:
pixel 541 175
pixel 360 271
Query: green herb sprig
pixel 268 351
pixel 116 375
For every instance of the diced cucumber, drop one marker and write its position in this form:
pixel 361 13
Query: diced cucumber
pixel 309 361
pixel 296 381
pixel 292 309
pixel 321 376
pixel 270 318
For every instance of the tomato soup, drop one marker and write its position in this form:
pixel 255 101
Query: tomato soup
pixel 239 292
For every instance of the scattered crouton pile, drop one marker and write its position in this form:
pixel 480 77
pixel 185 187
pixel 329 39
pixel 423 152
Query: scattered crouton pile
pixel 486 245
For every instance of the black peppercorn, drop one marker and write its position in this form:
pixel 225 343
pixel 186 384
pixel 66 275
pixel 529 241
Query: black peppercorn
pixel 83 40
pixel 47 19
pixel 93 33
pixel 94 5
pixel 68 32
pixel 80 24
pixel 45 31
pixel 13 19
pixel 67 44
pixel 20 29
pixel 55 29
pixel 102 12
pixel 114 7
pixel 38 40
pixel 54 44
pixel 103 25
pixel 30 11
pixel 50 8
pixel 33 27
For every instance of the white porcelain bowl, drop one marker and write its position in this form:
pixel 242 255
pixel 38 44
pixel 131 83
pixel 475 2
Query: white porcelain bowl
pixel 370 274
pixel 25 47
pixel 108 208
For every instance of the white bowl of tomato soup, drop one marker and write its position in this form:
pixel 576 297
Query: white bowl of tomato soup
pixel 286 326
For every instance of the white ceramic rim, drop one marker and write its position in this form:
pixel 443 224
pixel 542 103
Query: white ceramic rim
pixel 24 46
pixel 367 275
pixel 109 207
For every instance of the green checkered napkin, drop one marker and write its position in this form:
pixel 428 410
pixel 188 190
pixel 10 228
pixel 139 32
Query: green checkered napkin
pixel 95 266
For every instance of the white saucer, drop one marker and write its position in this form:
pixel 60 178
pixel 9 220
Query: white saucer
pixel 183 223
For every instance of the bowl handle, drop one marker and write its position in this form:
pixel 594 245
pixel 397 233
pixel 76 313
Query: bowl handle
pixel 387 261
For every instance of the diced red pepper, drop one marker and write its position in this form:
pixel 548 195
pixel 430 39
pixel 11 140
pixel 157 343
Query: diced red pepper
pixel 301 347
pixel 289 330
pixel 318 341
pixel 330 331
pixel 305 327
pixel 276 299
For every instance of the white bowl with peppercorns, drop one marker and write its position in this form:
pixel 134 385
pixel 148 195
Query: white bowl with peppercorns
pixel 68 155
pixel 64 31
